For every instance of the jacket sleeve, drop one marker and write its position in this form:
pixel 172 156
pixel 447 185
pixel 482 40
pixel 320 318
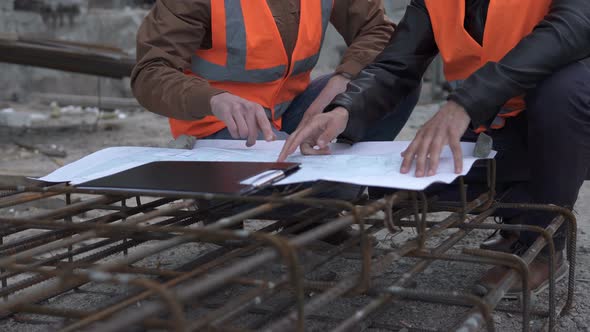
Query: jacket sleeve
pixel 396 72
pixel 561 38
pixel 365 29
pixel 166 40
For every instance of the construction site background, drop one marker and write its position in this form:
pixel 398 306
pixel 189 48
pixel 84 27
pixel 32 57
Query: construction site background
pixel 106 22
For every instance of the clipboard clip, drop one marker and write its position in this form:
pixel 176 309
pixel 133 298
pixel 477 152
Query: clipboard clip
pixel 267 178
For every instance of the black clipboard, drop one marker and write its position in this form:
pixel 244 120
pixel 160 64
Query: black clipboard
pixel 193 177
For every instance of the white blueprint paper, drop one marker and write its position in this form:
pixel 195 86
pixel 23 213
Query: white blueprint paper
pixel 369 163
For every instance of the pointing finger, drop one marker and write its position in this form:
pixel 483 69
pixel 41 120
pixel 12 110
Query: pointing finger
pixel 264 124
pixel 288 147
pixel 295 140
pixel 252 129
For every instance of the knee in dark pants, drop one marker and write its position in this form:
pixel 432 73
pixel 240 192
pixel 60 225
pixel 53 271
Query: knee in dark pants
pixel 562 100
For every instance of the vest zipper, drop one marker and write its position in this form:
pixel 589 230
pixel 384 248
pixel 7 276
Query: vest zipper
pixel 285 77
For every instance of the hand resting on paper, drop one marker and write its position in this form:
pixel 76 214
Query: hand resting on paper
pixel 445 128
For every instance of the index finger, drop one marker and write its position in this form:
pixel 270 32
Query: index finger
pixel 252 129
pixel 293 142
pixel 288 148
pixel 264 124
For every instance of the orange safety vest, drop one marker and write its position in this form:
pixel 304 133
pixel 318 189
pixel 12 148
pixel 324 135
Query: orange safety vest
pixel 248 58
pixel 507 23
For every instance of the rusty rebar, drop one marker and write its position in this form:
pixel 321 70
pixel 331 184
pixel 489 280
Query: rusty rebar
pixel 218 278
pixel 381 300
pixel 178 291
pixel 200 269
pixel 495 295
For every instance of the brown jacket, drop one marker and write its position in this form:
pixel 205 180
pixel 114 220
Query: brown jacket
pixel 175 29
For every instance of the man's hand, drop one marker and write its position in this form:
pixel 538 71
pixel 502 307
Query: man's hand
pixel 320 131
pixel 336 85
pixel 446 127
pixel 243 118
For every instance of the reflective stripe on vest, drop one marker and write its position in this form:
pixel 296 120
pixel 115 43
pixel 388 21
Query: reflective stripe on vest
pixel 507 23
pixel 235 68
pixel 247 58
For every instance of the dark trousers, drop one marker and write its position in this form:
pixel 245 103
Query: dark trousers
pixel 544 153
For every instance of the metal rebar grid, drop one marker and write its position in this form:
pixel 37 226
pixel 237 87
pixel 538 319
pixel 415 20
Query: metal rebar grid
pixel 114 262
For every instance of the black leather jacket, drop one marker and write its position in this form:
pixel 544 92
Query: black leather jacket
pixel 562 38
